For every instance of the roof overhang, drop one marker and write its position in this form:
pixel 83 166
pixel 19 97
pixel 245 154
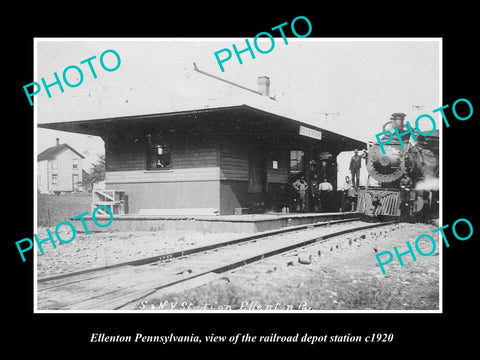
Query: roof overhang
pixel 230 120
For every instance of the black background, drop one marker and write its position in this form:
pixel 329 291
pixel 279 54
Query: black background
pixel 69 334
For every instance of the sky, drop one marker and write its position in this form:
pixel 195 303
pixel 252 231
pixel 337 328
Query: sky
pixel 358 83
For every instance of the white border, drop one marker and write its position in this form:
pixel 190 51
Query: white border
pixel 439 311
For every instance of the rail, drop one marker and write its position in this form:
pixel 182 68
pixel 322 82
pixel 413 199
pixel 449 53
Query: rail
pixel 124 284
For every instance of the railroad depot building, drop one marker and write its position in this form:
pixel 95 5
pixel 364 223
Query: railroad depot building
pixel 237 154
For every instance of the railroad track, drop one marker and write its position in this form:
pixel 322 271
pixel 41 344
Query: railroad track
pixel 121 285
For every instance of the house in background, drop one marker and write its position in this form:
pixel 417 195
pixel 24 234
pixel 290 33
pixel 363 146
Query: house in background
pixel 59 169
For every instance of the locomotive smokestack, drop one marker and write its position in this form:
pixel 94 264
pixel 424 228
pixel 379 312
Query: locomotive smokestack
pixel 398 120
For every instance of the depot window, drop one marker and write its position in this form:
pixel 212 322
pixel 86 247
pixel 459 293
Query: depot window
pixel 296 161
pixel 158 154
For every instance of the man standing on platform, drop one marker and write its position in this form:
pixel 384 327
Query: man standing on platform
pixel 347 194
pixel 325 187
pixel 301 186
pixel 314 193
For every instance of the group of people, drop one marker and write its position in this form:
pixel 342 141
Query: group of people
pixel 320 193
pixel 321 197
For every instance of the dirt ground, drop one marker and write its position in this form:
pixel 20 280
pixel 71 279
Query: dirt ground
pixel 52 209
pixel 339 274
pixel 103 249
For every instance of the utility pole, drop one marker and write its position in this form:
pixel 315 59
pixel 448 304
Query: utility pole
pixel 418 107
pixel 326 114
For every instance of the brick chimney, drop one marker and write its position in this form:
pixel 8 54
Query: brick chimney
pixel 58 141
pixel 264 85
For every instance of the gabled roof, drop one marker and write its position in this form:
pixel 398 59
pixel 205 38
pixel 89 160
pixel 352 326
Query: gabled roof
pixel 53 151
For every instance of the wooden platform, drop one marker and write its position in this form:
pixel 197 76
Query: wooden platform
pixel 223 224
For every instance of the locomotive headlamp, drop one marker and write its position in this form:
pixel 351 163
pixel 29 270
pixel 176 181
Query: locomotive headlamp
pixel 386 167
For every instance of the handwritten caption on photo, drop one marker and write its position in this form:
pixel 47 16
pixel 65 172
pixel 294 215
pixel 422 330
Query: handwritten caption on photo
pixel 244 305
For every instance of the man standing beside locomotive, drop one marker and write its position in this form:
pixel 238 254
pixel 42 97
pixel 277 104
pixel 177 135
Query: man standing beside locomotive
pixel 348 193
pixel 405 188
pixel 355 165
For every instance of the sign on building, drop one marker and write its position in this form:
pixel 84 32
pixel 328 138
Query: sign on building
pixel 315 134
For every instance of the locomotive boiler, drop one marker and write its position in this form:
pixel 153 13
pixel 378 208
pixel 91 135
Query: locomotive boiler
pixel 419 160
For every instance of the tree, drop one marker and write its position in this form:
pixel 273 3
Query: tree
pixel 95 175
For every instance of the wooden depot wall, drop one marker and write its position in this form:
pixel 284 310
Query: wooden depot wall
pixel 206 172
pixel 191 182
pixel 236 190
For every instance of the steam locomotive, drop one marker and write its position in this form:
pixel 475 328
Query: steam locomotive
pixel 419 160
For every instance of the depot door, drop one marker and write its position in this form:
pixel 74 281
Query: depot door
pixel 257 171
